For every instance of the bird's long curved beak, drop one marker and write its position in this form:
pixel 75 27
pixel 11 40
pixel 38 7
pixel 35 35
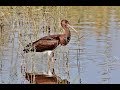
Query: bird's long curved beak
pixel 72 28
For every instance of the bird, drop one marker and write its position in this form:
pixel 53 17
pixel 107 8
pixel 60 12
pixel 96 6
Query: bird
pixel 50 42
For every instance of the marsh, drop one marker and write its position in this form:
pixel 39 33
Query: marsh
pixel 92 59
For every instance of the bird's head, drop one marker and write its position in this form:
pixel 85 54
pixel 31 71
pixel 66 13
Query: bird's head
pixel 65 24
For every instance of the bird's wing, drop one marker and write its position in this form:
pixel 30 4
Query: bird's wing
pixel 43 45
pixel 50 37
pixel 46 43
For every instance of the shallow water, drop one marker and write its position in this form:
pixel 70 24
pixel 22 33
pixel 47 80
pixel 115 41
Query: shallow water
pixel 93 59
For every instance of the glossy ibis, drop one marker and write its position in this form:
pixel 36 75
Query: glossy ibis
pixel 49 43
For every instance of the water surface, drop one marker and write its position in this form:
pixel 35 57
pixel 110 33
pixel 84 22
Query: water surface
pixel 93 59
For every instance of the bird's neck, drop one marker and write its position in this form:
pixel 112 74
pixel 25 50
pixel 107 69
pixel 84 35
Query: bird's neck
pixel 65 37
pixel 67 32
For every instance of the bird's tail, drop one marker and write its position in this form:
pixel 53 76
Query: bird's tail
pixel 28 48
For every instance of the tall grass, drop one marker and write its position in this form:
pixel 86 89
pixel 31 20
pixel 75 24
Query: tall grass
pixel 20 25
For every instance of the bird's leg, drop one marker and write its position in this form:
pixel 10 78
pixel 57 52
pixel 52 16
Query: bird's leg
pixel 48 63
pixel 49 72
pixel 53 62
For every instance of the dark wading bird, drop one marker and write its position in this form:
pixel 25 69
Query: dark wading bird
pixel 49 43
